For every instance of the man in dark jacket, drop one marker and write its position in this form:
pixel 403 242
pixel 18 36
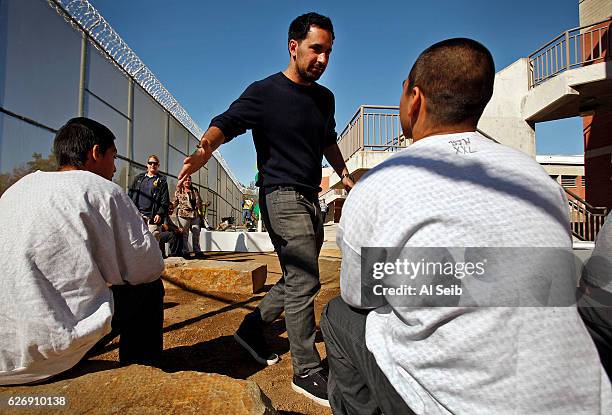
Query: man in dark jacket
pixel 149 191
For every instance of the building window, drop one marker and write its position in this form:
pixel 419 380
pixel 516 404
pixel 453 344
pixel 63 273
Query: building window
pixel 568 181
pixel 583 181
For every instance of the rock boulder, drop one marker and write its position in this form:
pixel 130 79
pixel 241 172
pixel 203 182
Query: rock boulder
pixel 139 389
pixel 220 276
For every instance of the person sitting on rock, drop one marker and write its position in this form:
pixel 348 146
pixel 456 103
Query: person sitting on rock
pixel 79 257
pixel 204 224
pixel 171 234
pixel 492 350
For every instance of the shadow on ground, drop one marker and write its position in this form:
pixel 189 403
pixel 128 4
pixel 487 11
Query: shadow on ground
pixel 223 355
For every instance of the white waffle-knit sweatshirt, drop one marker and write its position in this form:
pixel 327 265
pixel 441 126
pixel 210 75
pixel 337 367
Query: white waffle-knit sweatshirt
pixel 463 190
pixel 66 236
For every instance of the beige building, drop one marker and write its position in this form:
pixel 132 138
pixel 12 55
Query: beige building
pixel 593 11
pixel 568 171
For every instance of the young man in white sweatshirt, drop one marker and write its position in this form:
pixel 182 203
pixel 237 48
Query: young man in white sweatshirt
pixel 79 257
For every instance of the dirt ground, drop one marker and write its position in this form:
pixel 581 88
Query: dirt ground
pixel 199 328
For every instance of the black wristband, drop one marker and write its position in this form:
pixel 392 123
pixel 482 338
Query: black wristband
pixel 349 175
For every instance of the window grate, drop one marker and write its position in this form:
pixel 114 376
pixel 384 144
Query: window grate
pixel 568 181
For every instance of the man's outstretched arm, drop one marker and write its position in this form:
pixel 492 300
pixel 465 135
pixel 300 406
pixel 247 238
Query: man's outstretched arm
pixel 210 141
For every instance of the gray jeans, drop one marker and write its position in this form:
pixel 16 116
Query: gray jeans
pixel 190 225
pixel 295 227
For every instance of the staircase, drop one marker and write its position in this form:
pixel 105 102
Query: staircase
pixel 585 220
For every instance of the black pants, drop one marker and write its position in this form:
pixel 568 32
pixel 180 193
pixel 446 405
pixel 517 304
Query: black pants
pixel 139 320
pixel 174 239
pixel 597 317
pixel 356 384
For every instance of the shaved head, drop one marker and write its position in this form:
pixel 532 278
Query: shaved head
pixel 456 76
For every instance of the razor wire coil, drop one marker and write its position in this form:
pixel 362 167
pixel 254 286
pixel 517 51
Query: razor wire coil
pixel 85 18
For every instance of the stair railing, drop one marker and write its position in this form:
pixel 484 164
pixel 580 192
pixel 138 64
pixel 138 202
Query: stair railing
pixel 585 220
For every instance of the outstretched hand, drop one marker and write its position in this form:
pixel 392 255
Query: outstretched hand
pixel 192 164
pixel 211 140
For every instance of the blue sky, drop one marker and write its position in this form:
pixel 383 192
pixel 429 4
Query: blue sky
pixel 207 53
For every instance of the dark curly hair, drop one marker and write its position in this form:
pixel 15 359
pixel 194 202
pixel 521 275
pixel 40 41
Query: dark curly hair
pixel 299 27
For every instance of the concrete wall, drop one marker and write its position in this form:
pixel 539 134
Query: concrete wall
pixel 593 11
pixel 557 170
pixel 563 95
pixel 503 117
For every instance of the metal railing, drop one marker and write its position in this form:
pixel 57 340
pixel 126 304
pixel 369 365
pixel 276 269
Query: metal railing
pixel 376 128
pixel 571 49
pixel 373 127
pixel 585 220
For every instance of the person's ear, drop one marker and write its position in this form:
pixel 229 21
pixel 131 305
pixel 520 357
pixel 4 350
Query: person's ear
pixel 293 45
pixel 96 153
pixel 415 104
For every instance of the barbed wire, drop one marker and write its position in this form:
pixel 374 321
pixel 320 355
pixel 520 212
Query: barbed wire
pixel 85 18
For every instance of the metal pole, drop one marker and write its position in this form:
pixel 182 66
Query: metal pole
pixel 83 75
pixel 167 142
pixel 361 130
pixel 567 50
pixel 576 47
pixel 386 129
pixel 130 130
pixel 599 42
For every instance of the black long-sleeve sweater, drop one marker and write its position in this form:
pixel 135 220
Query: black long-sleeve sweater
pixel 292 124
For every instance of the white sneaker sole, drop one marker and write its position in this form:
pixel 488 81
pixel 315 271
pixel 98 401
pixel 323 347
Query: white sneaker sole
pixel 307 394
pixel 245 345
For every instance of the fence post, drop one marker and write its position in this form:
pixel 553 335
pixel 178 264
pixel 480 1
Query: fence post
pixel 361 128
pixel 567 50
pixel 83 75
pixel 130 131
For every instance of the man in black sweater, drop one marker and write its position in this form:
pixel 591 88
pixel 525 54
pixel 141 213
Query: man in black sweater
pixel 292 120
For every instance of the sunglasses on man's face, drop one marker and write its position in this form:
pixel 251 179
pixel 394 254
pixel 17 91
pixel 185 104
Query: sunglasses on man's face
pixel 153 163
